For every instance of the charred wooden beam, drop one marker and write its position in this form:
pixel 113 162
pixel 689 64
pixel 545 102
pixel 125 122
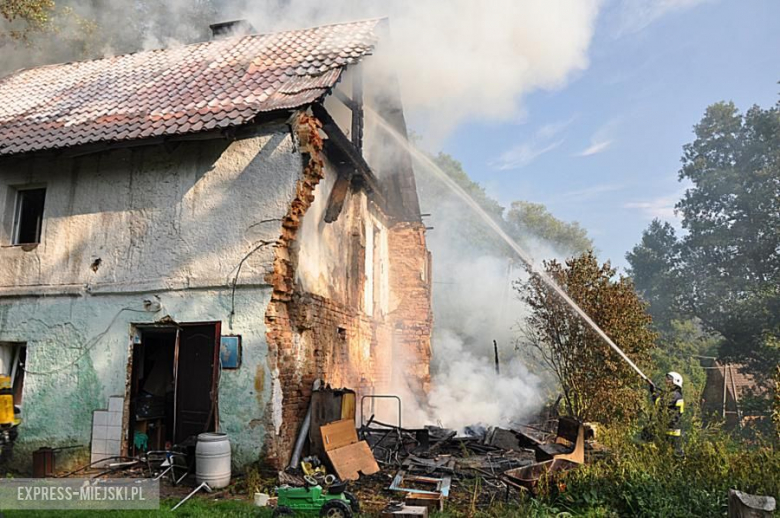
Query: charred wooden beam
pixel 357 112
pixel 342 149
pixel 345 99
pixel 338 196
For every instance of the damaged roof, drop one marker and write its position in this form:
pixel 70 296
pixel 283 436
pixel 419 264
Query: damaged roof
pixel 198 87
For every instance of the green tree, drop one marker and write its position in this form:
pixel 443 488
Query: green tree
pixel 35 32
pixel 727 266
pixel 452 219
pixel 20 18
pixel 655 271
pixel 680 348
pixel 731 254
pixel 533 219
pixel 524 222
pixel 596 383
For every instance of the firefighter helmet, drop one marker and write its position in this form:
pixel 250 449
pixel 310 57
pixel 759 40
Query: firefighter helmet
pixel 675 378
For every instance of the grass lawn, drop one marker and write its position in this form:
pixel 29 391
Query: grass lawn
pixel 195 507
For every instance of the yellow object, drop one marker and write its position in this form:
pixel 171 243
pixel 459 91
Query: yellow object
pixel 310 470
pixel 6 402
pixel 348 406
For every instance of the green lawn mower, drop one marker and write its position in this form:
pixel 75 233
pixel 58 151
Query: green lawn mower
pixel 313 500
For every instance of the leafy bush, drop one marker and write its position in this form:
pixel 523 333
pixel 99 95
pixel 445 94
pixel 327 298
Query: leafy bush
pixel 647 479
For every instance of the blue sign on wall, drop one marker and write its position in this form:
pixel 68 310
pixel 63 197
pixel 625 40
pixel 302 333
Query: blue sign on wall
pixel 230 352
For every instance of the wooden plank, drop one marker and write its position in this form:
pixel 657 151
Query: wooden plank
pixel 348 405
pixel 353 460
pixel 325 408
pixel 339 434
pixel 338 195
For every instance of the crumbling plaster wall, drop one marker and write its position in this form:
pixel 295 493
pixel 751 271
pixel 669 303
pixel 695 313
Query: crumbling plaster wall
pixel 78 349
pixel 153 218
pixel 173 225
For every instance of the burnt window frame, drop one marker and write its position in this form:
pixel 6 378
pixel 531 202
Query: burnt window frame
pixel 17 215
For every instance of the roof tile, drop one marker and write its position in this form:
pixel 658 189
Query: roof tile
pixel 186 89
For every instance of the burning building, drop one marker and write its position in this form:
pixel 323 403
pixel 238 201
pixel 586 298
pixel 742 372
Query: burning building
pixel 191 236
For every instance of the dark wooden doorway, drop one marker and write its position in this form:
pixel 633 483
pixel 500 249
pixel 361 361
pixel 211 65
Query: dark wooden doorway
pixel 173 386
pixel 196 380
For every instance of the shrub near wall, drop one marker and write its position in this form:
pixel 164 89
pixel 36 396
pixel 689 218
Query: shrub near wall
pixel 646 478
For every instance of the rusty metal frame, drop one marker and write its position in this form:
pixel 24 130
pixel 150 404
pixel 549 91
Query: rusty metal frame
pixel 379 396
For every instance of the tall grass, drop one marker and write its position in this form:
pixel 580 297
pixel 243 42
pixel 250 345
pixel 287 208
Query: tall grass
pixel 641 478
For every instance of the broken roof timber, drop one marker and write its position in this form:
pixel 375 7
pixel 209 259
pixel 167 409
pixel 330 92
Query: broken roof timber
pixel 342 148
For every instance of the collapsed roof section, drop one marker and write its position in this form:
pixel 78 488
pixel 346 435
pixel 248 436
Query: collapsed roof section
pixel 204 86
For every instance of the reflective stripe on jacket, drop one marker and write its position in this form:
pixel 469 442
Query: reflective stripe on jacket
pixel 675 409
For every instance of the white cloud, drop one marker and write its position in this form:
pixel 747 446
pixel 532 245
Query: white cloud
pixel 601 139
pixel 544 140
pixel 590 193
pixel 596 148
pixel 661 207
pixel 523 154
pixel 635 15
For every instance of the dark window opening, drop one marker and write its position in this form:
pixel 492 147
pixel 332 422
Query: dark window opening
pixel 29 216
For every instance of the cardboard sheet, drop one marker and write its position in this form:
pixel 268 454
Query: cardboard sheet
pixel 338 434
pixel 348 456
pixel 353 460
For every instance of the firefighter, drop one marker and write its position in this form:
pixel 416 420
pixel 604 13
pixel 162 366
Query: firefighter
pixel 675 406
pixel 9 418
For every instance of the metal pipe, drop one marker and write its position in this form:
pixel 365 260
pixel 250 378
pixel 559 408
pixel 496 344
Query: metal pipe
pixel 495 351
pixel 295 458
pixel 725 386
pixel 201 486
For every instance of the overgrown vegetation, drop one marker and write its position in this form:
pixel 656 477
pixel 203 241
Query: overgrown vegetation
pixel 195 507
pixel 597 384
pixel 645 479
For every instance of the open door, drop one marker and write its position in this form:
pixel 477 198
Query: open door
pixel 196 371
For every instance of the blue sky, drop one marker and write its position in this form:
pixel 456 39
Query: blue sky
pixel 604 149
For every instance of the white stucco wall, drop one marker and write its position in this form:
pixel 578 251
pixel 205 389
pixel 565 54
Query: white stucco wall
pixel 173 225
pixel 153 218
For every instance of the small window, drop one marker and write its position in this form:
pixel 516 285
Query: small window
pixel 28 219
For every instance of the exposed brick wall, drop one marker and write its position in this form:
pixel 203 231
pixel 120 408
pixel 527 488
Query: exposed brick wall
pixel 410 301
pixel 278 318
pixel 310 336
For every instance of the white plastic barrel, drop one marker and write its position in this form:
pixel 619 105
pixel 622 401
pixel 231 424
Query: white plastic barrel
pixel 212 460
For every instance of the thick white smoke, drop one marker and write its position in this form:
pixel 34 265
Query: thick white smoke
pixel 474 304
pixel 461 59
